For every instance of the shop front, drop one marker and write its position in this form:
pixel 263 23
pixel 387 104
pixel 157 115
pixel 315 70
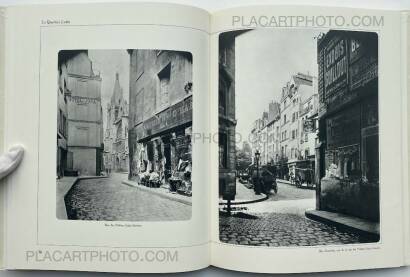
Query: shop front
pixel 348 151
pixel 163 147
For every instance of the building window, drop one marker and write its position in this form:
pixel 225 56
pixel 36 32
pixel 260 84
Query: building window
pixel 223 150
pixel 224 57
pixel 223 92
pixel 164 79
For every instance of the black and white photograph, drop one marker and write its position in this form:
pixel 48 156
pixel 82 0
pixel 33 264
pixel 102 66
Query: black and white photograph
pixel 124 126
pixel 298 137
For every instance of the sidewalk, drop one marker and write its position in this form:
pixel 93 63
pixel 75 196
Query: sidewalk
pixel 63 187
pixel 161 192
pixel 343 221
pixel 284 181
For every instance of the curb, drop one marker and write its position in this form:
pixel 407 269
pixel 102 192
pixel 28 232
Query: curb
pixel 160 194
pixel 244 202
pixel 315 215
pixel 63 214
pixel 284 181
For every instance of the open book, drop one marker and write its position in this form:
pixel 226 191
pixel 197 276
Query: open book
pixel 163 138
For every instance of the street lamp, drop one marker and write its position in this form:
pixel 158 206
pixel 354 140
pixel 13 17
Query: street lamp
pixel 257 157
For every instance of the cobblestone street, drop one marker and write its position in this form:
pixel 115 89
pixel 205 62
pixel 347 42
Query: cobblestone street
pixel 280 221
pixel 108 199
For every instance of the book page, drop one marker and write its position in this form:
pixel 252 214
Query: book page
pixel 107 100
pixel 309 111
pixel 2 189
pixel 406 85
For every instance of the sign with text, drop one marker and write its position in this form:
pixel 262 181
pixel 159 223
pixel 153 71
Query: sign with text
pixel 173 116
pixel 335 67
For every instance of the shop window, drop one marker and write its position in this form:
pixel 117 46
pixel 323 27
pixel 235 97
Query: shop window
pixel 371 163
pixel 344 162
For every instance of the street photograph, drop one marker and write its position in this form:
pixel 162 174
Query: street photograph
pixel 124 126
pixel 298 137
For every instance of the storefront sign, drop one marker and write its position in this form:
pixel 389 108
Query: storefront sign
pixel 80 100
pixel 174 116
pixel 362 72
pixel 308 125
pixel 335 67
pixel 346 63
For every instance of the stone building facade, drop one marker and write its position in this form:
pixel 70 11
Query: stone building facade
pixel 286 134
pixel 273 132
pixel 62 129
pixel 255 136
pixel 348 124
pixel 227 118
pixel 82 89
pixel 296 92
pixel 116 131
pixel 160 111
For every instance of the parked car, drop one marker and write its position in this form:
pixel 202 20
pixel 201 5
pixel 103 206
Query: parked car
pixel 267 179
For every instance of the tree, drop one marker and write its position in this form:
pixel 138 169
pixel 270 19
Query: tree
pixel 243 159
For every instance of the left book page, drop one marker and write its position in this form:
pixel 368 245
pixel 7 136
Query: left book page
pixel 107 99
pixel 2 189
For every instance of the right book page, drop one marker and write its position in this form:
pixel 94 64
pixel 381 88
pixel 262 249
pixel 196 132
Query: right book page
pixel 309 154
pixel 406 85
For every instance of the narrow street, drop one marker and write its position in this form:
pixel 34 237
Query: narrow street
pixel 280 221
pixel 109 199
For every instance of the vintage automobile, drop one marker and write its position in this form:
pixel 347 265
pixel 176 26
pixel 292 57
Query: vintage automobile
pixel 180 181
pixel 267 179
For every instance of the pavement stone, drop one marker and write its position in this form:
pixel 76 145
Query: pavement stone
pixel 110 200
pixel 280 222
pixel 278 229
